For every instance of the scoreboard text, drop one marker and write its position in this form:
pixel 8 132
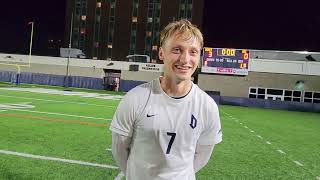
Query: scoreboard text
pixel 225 61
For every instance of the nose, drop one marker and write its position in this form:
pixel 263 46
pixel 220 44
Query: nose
pixel 185 57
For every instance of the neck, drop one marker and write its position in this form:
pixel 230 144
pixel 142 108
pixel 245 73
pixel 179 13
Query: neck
pixel 175 88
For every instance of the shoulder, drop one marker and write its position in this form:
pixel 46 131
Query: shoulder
pixel 205 98
pixel 138 96
pixel 139 90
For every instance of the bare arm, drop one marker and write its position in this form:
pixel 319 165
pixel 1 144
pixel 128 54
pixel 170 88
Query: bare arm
pixel 121 150
pixel 202 156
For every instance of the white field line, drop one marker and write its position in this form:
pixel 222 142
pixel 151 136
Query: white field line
pixel 109 149
pixel 60 114
pixel 119 176
pixel 2 110
pixel 252 131
pixel 57 159
pixel 298 163
pixel 245 127
pixel 48 100
pixel 280 151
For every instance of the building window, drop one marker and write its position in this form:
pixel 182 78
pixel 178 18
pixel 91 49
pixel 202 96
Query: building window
pixel 157 20
pixel 135 12
pixel 98 17
pixel 82 30
pixel 136 5
pixel 113 5
pixel 79 25
pixel 134 19
pixel 133 38
pixel 185 9
pixel 111 27
pixel 96 30
pixel 152 28
pixel 154 47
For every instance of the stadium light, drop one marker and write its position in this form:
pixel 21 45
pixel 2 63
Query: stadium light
pixel 303 52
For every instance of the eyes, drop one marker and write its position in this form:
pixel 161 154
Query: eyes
pixel 178 50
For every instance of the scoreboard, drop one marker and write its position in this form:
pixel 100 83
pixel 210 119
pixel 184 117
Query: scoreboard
pixel 225 61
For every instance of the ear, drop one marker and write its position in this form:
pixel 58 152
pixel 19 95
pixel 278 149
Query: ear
pixel 161 54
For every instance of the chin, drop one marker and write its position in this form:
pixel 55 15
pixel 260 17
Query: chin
pixel 183 77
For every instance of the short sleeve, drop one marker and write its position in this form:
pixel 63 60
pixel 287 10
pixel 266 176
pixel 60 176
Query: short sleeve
pixel 129 108
pixel 123 119
pixel 212 133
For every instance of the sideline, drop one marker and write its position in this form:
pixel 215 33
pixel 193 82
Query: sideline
pixel 66 93
pixel 57 159
pixel 61 114
pixel 54 120
pixel 48 100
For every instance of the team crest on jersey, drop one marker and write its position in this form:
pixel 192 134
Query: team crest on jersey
pixel 193 123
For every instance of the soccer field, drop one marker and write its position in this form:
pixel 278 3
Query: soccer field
pixel 54 134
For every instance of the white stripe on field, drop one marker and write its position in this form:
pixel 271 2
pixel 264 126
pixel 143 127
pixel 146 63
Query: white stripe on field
pixel 252 131
pixel 280 151
pixel 109 149
pixel 298 163
pixel 225 113
pixel 48 100
pixel 57 159
pixel 268 142
pixel 119 176
pixel 241 123
pixel 318 178
pixel 60 114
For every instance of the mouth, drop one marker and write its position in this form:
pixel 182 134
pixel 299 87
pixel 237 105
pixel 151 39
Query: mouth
pixel 183 68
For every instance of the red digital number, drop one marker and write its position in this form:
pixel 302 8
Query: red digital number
pixel 245 56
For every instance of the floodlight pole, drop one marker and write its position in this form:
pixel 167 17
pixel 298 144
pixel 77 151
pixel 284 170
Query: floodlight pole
pixel 30 46
pixel 69 50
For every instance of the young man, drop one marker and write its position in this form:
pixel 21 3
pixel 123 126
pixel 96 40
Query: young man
pixel 166 129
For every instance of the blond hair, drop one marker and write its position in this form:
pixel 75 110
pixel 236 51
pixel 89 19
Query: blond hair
pixel 183 28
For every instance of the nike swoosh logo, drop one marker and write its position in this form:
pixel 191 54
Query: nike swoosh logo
pixel 150 115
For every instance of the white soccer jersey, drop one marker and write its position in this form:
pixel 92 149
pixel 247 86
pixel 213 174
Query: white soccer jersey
pixel 165 131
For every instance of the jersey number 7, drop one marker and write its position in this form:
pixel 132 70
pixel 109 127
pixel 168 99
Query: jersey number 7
pixel 173 135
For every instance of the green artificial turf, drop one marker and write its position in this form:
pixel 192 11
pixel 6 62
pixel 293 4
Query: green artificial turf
pixel 76 128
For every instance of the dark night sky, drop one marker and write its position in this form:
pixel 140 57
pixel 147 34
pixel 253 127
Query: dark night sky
pixel 253 25
pixel 259 25
pixel 49 18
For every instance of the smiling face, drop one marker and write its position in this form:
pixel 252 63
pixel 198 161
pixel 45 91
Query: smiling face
pixel 181 55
